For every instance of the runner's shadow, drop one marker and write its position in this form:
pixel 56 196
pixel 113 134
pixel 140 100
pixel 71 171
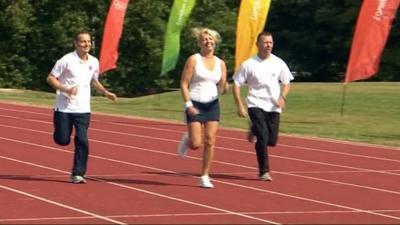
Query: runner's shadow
pixel 134 181
pixel 126 181
pixel 31 178
pixel 213 175
pixel 139 123
pixel 231 177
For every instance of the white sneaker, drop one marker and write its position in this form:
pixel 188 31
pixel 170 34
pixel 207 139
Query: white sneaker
pixel 78 179
pixel 205 182
pixel 266 177
pixel 183 146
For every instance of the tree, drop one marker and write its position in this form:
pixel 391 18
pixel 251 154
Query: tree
pixel 15 26
pixel 55 26
pixel 314 37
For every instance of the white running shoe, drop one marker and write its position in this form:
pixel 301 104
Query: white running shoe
pixel 266 177
pixel 205 182
pixel 78 179
pixel 183 146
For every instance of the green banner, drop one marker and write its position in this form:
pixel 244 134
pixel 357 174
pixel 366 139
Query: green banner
pixel 180 12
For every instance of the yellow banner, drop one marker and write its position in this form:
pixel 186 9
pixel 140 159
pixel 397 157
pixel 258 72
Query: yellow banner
pixel 251 21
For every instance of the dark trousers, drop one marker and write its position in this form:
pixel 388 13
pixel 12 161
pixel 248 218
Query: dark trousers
pixel 63 125
pixel 265 126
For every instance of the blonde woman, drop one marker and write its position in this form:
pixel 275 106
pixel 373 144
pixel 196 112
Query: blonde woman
pixel 204 74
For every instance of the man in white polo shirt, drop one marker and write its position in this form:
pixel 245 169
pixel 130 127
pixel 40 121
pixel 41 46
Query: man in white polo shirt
pixel 72 77
pixel 268 78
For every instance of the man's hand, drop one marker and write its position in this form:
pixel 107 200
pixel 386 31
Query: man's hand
pixel 241 111
pixel 111 96
pixel 281 103
pixel 72 91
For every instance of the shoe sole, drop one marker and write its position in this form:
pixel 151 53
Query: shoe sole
pixel 81 181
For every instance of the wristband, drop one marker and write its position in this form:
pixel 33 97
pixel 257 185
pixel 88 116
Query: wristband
pixel 188 104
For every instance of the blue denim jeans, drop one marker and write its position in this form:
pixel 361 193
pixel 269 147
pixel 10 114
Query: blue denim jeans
pixel 63 125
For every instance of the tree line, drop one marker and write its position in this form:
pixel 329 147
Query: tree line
pixel 313 37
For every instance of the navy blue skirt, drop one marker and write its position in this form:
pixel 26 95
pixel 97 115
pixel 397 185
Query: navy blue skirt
pixel 207 112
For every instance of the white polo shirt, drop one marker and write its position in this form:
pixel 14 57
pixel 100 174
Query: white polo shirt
pixel 264 78
pixel 72 71
pixel 203 86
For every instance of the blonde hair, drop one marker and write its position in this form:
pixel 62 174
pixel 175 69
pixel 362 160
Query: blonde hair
pixel 199 31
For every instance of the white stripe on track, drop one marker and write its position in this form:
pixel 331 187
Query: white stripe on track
pixel 220 147
pixel 136 189
pixel 94 215
pixel 330 212
pixel 219 136
pixel 219 181
pixel 247 167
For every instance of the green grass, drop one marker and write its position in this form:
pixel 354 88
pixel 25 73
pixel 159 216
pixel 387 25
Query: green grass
pixel 371 110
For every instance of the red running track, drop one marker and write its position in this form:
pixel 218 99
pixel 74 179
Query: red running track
pixel 135 177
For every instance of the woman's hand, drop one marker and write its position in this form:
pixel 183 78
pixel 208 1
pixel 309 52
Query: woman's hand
pixel 192 111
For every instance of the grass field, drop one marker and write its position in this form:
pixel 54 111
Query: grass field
pixel 371 110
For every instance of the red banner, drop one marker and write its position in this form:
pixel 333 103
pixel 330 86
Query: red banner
pixel 112 34
pixel 372 30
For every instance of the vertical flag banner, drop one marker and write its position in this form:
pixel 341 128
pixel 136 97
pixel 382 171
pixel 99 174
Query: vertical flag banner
pixel 112 34
pixel 180 12
pixel 251 21
pixel 372 30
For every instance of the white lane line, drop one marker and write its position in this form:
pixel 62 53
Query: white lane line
pixel 247 167
pixel 228 183
pixel 193 215
pixel 229 149
pixel 93 215
pixel 219 136
pixel 147 192
pixel 218 147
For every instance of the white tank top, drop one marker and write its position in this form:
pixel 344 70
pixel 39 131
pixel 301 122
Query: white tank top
pixel 203 86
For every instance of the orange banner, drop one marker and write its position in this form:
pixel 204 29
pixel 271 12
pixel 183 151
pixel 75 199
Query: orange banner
pixel 372 30
pixel 112 34
pixel 251 21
